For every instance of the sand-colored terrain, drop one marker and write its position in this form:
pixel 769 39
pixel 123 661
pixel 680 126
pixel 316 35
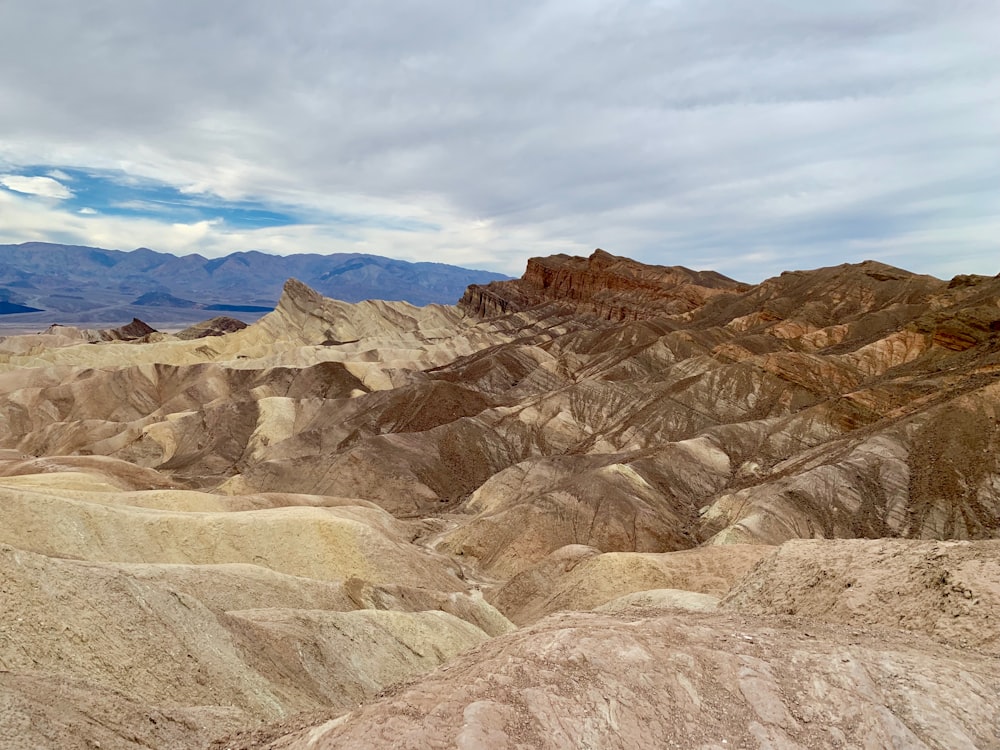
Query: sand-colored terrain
pixel 686 680
pixel 606 505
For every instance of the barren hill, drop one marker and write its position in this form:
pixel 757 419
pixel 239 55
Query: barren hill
pixel 777 505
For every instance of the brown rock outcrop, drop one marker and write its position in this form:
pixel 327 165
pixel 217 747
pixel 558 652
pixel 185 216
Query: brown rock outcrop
pixel 219 326
pixel 603 285
pixel 137 330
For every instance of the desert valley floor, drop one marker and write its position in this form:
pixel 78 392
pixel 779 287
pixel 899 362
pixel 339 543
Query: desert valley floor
pixel 607 505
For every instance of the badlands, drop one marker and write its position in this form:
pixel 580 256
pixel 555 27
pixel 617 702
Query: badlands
pixel 606 505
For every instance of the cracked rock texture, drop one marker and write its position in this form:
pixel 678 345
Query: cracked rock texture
pixel 686 680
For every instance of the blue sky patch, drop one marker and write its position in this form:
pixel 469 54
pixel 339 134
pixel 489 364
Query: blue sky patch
pixel 114 193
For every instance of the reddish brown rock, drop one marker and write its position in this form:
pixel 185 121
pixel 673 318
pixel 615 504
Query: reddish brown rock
pixel 603 285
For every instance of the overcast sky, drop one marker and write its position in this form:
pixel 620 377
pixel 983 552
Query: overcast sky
pixel 747 137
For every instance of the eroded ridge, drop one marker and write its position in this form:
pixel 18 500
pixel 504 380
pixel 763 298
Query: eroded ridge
pixel 606 505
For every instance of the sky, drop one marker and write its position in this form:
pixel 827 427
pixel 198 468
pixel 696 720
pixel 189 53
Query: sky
pixel 744 137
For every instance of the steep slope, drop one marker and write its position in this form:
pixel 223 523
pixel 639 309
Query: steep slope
pixel 603 285
pixel 829 393
pixel 715 423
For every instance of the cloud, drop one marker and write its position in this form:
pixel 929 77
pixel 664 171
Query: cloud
pixel 747 136
pixel 477 244
pixel 45 187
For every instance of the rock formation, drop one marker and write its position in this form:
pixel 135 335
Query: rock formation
pixel 218 326
pixel 609 287
pixel 681 680
pixel 607 505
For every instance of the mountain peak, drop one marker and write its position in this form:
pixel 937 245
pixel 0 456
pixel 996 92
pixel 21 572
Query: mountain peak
pixel 99 288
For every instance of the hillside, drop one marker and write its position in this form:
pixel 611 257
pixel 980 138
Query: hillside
pixel 604 505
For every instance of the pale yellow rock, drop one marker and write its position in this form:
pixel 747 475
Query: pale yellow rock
pixel 579 577
pixel 330 543
pixel 161 635
pixel 378 341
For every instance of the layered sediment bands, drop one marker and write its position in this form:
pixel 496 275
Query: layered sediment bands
pixel 641 503
pixel 815 300
pixel 821 390
pixel 806 365
pixel 298 514
pixel 928 470
pixel 603 285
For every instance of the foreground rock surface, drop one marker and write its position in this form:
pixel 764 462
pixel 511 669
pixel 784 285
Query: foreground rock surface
pixel 206 648
pixel 685 680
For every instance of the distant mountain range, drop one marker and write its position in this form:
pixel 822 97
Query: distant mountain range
pixel 44 283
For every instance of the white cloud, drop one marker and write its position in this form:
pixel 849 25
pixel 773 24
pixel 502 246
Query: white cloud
pixel 477 244
pixel 751 136
pixel 44 187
